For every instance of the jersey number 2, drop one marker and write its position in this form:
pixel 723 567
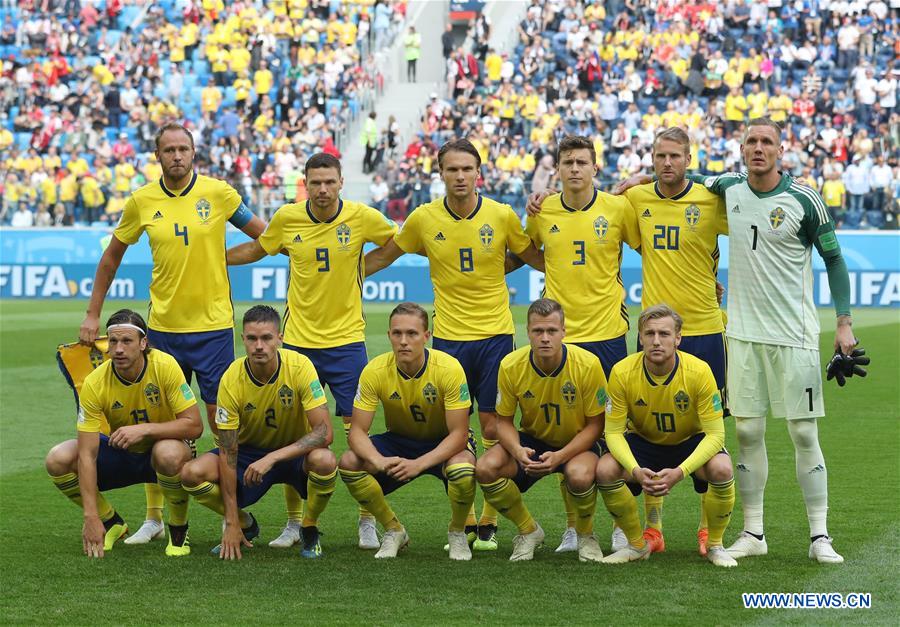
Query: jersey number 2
pixel 270 419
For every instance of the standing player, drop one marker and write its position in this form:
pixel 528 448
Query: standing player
pixel 465 237
pixel 184 215
pixel 674 413
pixel 773 327
pixel 679 224
pixel 143 398
pixel 561 391
pixel 273 428
pixel 324 237
pixel 581 232
pixel 426 412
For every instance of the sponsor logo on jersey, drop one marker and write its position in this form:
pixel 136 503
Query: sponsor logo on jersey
pixel 776 217
pixel 601 226
pixel 187 392
pixel 554 229
pixel 249 407
pixel 286 396
pixel 152 394
pixel 316 388
pixel 692 215
pixel 202 208
pixel 430 393
pixel 601 397
pixel 440 237
pixel 158 215
pixel 736 209
pixel 117 405
pixel 395 396
pixel 81 419
pixel 486 233
pixel 298 239
pixel 221 416
pixel 96 357
pixel 682 401
pixel 646 213
pixel 528 394
pixel 717 402
pixel 569 392
pixel 343 235
pixel 641 403
pixel 464 392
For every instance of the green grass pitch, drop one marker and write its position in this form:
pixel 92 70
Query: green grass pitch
pixel 46 579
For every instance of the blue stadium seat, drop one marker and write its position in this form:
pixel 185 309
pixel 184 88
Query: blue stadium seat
pixel 113 37
pixel 128 15
pixel 23 140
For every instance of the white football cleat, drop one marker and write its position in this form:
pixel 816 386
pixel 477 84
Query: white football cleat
pixel 459 546
pixel 822 551
pixel 525 544
pixel 589 549
pixel 619 541
pixel 290 536
pixel 569 542
pixel 628 554
pixel 748 545
pixel 149 531
pixel 391 544
pixel 720 557
pixel 368 536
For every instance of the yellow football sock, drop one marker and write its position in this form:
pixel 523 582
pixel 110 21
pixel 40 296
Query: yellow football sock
pixel 461 492
pixel 704 520
pixel 471 520
pixel 583 504
pixel 622 506
pixel 319 489
pixel 504 495
pixel 176 497
pixel 718 505
pixel 155 501
pixel 363 512
pixel 68 485
pixel 653 506
pixel 293 503
pixel 567 501
pixel 365 489
pixel 488 512
pixel 208 495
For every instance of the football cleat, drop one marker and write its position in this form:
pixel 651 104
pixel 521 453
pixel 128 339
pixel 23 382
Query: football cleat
pixel 312 548
pixel 391 543
pixel 822 551
pixel 149 531
pixel 179 544
pixel 569 542
pixel 589 549
pixel 525 544
pixel 655 540
pixel 720 557
pixel 471 536
pixel 487 538
pixel 748 545
pixel 458 545
pixel 629 554
pixel 368 535
pixel 290 536
pixel 619 541
pixel 114 533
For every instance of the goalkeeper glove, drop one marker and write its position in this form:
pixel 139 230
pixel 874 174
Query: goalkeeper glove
pixel 842 367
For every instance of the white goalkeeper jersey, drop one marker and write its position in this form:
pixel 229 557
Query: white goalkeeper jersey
pixel 770 279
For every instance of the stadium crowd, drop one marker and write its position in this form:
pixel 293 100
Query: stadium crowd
pixel 85 84
pixel 622 70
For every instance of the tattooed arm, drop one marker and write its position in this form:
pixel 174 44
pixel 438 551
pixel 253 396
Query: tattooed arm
pixel 232 536
pixel 319 436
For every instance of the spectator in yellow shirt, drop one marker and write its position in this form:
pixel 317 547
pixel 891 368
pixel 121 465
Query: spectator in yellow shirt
pixel 736 108
pixel 262 79
pixel 835 195
pixel 780 106
pixel 758 101
pixel 242 87
pixel 210 97
pixel 124 172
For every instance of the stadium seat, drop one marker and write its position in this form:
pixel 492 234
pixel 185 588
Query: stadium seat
pixel 23 140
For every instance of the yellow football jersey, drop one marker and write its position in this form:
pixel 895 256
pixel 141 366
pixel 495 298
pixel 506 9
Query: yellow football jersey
pixel 554 405
pixel 466 258
pixel 108 401
pixel 680 252
pixel 583 259
pixel 324 301
pixel 664 410
pixel 269 414
pixel 189 288
pixel 414 407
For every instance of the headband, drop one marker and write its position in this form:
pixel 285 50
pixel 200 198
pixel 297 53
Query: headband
pixel 126 325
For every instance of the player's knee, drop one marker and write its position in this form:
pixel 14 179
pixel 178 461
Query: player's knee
pixel 486 471
pixel 718 469
pixel 169 456
pixel 580 478
pixel 62 458
pixel 804 433
pixel 750 431
pixel 190 478
pixel 350 461
pixel 321 461
pixel 608 470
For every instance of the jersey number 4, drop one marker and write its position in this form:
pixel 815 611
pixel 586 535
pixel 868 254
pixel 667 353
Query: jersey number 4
pixel 179 232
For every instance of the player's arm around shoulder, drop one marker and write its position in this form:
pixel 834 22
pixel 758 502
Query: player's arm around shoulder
pixel 103 277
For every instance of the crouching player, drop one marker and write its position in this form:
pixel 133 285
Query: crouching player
pixel 674 409
pixel 426 412
pixel 142 395
pixel 561 390
pixel 273 428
